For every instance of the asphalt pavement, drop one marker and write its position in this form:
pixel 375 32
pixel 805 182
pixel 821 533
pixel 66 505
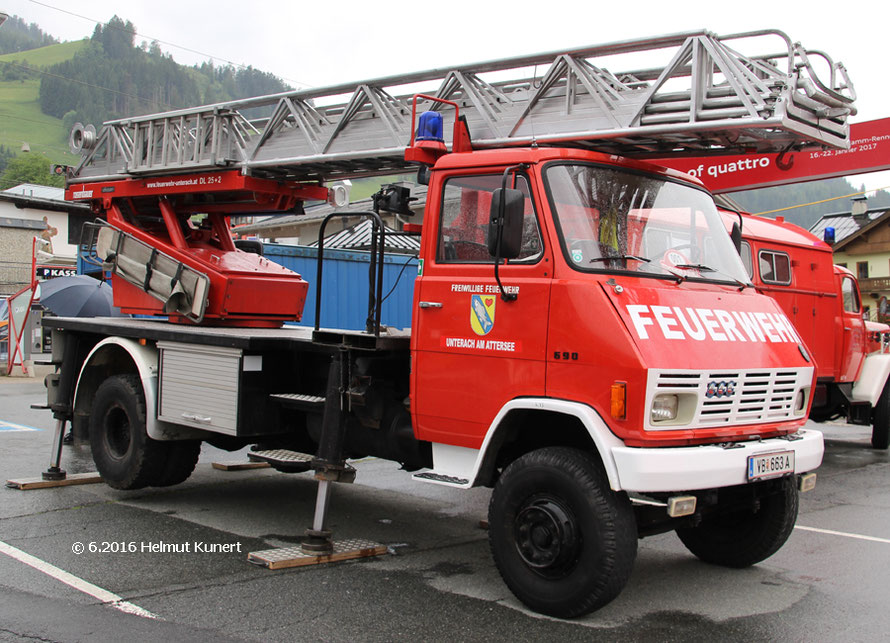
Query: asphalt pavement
pixel 178 557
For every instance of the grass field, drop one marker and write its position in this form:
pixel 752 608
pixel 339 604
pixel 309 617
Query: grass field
pixel 21 121
pixel 45 56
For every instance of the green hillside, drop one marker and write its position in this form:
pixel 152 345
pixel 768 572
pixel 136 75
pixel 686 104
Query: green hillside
pixel 21 120
pixel 45 56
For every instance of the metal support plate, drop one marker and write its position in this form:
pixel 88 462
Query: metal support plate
pixel 295 557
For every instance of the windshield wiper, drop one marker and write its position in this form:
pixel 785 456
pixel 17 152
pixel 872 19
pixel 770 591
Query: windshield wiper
pixel 624 257
pixel 702 267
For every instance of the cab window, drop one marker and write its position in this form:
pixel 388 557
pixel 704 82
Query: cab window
pixel 850 295
pixel 775 267
pixel 463 226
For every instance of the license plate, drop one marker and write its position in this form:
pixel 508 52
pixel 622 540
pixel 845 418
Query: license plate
pixel 770 465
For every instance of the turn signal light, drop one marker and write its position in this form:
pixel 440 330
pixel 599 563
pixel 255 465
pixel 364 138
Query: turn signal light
pixel 619 400
pixel 807 482
pixel 681 506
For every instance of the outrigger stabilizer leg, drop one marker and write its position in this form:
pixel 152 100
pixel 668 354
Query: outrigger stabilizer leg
pixel 55 471
pixel 330 465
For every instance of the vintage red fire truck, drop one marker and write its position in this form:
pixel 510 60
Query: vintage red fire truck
pixel 796 268
pixel 585 338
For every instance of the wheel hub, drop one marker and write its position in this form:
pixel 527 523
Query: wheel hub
pixel 546 534
pixel 117 432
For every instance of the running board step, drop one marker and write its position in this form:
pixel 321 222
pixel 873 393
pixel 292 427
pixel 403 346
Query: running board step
pixel 283 460
pixel 441 478
pixel 298 400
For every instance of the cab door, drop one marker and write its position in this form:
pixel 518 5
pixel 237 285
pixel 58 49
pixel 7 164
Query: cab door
pixel 472 351
pixel 851 359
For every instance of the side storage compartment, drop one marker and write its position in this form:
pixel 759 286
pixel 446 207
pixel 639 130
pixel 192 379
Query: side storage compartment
pixel 199 386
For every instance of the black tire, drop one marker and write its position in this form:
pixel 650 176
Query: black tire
pixel 125 456
pixel 745 537
pixel 182 456
pixel 562 540
pixel 880 431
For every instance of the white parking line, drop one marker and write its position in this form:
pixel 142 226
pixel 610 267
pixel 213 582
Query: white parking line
pixel 79 584
pixel 843 533
pixel 9 426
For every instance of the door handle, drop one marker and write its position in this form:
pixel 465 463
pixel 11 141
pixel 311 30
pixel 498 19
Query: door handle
pixel 430 304
pixel 194 417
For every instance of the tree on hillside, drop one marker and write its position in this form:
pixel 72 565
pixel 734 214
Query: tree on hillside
pixel 18 36
pixel 17 70
pixel 817 198
pixel 111 77
pixel 5 155
pixel 29 168
pixel 116 37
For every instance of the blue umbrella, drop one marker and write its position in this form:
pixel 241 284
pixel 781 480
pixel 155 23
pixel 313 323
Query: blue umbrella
pixel 78 296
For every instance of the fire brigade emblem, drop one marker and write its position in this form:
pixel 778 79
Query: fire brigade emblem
pixel 482 314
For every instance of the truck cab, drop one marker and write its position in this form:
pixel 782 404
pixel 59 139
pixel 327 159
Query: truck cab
pixel 626 296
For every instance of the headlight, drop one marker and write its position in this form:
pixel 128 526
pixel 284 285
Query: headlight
pixel 664 408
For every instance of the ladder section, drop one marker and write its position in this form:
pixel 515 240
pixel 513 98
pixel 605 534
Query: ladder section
pixel 691 92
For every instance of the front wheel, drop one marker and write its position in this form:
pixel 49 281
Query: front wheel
pixel 562 540
pixel 747 534
pixel 880 432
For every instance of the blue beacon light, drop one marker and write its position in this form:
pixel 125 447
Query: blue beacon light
pixel 430 127
pixel 828 235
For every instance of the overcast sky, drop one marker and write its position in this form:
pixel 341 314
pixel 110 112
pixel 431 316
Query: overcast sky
pixel 318 44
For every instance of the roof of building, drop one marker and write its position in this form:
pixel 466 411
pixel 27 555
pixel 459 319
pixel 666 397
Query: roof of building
pixel 358 237
pixel 279 225
pixel 874 222
pixel 42 197
pixel 844 224
pixel 38 191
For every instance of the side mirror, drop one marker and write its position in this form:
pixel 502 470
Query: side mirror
pixel 505 223
pixel 736 235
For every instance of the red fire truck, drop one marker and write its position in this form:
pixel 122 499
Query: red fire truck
pixel 585 338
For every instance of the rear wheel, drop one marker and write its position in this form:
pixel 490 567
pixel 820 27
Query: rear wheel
pixel 125 456
pixel 562 540
pixel 880 431
pixel 746 535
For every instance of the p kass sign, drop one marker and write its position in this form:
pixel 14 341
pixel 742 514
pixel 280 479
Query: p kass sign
pixel 49 272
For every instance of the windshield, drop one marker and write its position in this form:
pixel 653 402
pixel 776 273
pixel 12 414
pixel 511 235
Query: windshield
pixel 614 220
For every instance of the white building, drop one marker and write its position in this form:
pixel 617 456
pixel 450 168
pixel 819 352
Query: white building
pixel 28 211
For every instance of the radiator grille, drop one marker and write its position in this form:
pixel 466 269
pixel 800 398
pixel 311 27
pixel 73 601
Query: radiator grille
pixel 731 397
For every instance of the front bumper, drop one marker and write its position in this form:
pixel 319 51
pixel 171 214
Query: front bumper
pixel 671 469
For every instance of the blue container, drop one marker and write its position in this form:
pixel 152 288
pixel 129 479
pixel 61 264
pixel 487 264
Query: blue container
pixel 345 288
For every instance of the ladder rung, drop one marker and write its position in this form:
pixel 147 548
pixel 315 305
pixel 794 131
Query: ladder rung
pixel 298 400
pixel 441 478
pixel 298 397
